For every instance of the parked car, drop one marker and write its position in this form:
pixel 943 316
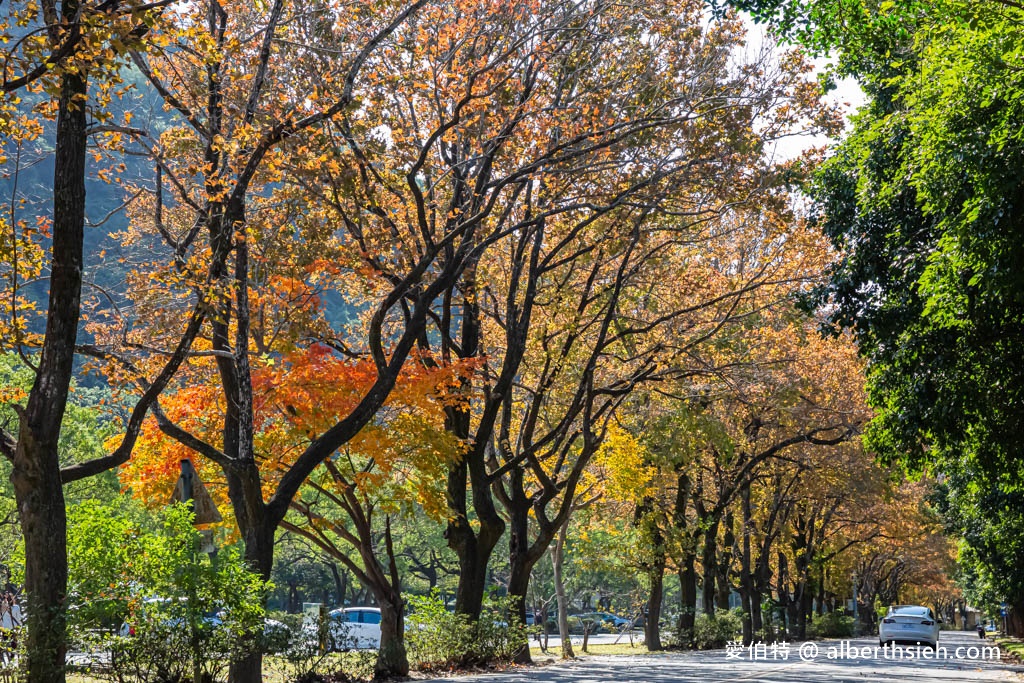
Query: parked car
pixel 909 624
pixel 612 620
pixel 578 623
pixel 151 606
pixel 354 628
pixel 277 637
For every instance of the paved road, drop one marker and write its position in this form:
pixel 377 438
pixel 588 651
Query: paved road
pixel 717 667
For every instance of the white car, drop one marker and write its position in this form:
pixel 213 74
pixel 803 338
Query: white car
pixel 911 624
pixel 354 628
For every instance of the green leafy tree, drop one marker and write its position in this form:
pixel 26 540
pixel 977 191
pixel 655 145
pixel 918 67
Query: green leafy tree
pixel 925 200
pixel 990 522
pixel 184 615
pixel 84 429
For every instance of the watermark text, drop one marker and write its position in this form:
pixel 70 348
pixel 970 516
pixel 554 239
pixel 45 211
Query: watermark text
pixel 810 651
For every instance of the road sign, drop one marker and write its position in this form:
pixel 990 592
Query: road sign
pixel 190 489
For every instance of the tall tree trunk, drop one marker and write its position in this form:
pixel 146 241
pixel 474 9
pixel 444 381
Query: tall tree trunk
pixel 35 472
pixel 521 561
pixel 518 585
pixel 820 607
pixel 473 548
pixel 259 555
pixel 257 530
pixel 761 588
pixel 746 571
pixel 792 617
pixel 724 567
pixel 40 499
pixel 523 553
pixel 392 658
pixel 647 519
pixel 245 486
pixel 521 566
pixel 709 568
pixel 474 553
pixel 783 595
pixel 806 604
pixel 802 594
pixel 563 601
pixel 1015 620
pixel 756 614
pixel 652 625
pixel 687 571
pixel 687 599
pixel 748 621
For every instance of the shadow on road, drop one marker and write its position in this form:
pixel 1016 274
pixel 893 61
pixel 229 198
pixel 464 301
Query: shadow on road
pixel 718 666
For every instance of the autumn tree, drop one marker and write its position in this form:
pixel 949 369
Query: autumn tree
pixel 770 391
pixel 821 506
pixel 391 471
pixel 489 101
pixel 579 256
pixel 54 53
pixel 594 349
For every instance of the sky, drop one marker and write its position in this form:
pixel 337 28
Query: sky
pixel 847 95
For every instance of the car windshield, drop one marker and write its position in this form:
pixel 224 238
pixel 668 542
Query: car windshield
pixel 910 611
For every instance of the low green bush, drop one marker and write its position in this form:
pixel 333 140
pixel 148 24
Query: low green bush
pixel 711 631
pixel 141 590
pixel 831 625
pixel 439 639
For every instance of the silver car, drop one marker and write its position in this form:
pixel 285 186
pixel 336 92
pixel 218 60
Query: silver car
pixel 354 628
pixel 912 624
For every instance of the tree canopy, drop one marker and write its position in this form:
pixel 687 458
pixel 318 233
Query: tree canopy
pixel 463 296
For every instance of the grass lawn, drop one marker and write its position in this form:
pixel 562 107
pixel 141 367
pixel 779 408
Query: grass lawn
pixel 1012 647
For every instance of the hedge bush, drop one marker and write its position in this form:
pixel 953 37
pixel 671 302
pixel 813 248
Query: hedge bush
pixel 711 631
pixel 439 639
pixel 831 625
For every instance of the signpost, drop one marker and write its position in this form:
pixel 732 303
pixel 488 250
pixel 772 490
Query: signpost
pixel 314 616
pixel 856 616
pixel 191 491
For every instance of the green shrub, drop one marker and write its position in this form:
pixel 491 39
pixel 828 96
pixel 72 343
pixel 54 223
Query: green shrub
pixel 712 631
pixel 298 655
pixel 439 639
pixel 831 625
pixel 182 612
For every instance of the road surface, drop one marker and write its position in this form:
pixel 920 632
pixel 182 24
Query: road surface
pixel 747 666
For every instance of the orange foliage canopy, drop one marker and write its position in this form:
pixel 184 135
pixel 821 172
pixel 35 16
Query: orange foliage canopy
pixel 299 395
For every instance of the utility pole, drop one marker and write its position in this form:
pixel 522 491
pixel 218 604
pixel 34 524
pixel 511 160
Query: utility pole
pixel 856 616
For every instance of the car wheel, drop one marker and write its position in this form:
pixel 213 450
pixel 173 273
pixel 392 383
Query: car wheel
pixel 882 643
